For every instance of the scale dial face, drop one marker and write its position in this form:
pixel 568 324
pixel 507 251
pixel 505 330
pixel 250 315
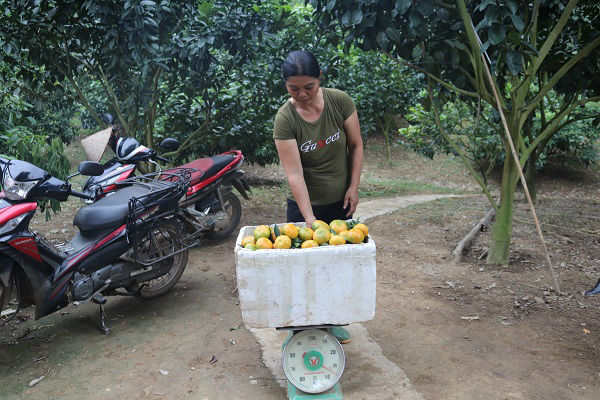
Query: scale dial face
pixel 313 360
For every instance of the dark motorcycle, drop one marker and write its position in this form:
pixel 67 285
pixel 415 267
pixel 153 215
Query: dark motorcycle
pixel 129 243
pixel 209 208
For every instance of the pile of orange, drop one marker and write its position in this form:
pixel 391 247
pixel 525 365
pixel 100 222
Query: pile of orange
pixel 289 236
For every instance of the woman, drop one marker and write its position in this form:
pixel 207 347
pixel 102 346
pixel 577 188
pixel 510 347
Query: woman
pixel 317 135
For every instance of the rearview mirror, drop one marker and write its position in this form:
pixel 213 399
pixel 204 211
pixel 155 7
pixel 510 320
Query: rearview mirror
pixel 109 119
pixel 90 168
pixel 170 144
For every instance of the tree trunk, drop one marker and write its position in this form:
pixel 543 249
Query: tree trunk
pixel 499 251
pixel 530 176
pixel 388 154
pixel 384 126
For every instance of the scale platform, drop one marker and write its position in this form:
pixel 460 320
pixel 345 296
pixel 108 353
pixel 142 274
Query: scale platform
pixel 335 393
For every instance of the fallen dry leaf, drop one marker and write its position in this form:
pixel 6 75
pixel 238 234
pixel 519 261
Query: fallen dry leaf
pixel 38 380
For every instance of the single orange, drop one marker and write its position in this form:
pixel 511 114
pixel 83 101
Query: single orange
pixel 321 235
pixel 305 234
pixel 363 228
pixel 250 246
pixel 338 225
pixel 355 236
pixel 319 224
pixel 282 242
pixel 262 231
pixel 248 239
pixel 309 243
pixel 337 240
pixel 290 230
pixel 263 243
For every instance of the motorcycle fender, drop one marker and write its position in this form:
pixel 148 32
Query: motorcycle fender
pixel 241 186
pixel 36 284
pixel 6 269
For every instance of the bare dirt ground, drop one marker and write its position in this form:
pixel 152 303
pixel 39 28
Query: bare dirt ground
pixel 471 331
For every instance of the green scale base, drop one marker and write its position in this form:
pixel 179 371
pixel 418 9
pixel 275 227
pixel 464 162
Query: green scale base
pixel 335 393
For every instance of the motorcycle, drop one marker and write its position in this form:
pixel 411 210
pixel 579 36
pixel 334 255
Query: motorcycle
pixel 209 208
pixel 129 243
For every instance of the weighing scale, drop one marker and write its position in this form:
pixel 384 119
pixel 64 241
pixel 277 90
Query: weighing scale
pixel 313 362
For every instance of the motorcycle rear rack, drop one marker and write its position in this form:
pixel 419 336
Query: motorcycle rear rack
pixel 145 217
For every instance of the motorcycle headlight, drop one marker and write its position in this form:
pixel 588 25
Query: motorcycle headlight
pixel 16 190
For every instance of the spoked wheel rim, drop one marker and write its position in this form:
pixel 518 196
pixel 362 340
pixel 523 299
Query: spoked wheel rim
pixel 223 217
pixel 163 241
pixel 227 219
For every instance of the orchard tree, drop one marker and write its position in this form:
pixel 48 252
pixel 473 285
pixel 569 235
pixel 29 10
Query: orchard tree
pixel 533 47
pixel 573 140
pixel 382 90
pixel 473 132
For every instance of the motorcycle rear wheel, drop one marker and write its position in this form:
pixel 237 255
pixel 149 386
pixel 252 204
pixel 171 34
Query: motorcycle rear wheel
pixel 226 219
pixel 166 239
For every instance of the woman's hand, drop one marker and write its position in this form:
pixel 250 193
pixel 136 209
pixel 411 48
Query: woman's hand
pixel 309 221
pixel 290 158
pixel 351 199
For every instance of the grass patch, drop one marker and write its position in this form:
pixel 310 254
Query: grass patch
pixel 267 193
pixel 394 188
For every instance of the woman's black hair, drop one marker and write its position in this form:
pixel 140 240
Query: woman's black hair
pixel 301 63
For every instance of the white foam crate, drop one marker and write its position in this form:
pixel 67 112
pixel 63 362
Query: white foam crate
pixel 302 287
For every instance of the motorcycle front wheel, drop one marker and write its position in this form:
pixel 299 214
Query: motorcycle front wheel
pixel 9 301
pixel 164 240
pixel 227 218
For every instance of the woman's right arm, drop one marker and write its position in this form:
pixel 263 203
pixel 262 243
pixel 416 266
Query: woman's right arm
pixel 290 158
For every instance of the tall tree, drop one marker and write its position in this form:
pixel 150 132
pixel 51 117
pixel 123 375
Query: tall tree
pixel 533 47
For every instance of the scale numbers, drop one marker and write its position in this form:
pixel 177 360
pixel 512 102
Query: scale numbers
pixel 313 361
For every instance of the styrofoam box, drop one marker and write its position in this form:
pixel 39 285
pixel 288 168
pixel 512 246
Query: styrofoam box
pixel 301 287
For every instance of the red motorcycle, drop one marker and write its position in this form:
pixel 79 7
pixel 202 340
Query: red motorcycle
pixel 129 243
pixel 210 208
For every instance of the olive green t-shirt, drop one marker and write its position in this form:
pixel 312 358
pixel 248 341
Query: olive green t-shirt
pixel 322 145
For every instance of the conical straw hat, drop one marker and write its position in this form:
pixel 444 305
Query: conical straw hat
pixel 94 145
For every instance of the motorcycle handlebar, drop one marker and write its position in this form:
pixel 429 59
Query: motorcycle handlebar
pixel 81 195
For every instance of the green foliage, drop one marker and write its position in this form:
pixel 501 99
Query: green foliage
pixel 575 144
pixel 18 138
pixel 471 130
pixel 381 88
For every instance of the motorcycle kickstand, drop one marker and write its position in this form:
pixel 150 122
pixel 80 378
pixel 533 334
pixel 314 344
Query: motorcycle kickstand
pixel 101 300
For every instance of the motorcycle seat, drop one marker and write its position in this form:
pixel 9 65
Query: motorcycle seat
pixel 206 167
pixel 112 210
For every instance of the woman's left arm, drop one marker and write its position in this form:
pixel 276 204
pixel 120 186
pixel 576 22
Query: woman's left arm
pixel 355 160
